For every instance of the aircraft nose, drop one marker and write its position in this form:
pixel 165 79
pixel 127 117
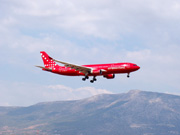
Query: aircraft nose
pixel 138 67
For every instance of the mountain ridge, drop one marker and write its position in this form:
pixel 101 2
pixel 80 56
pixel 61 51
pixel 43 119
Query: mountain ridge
pixel 134 112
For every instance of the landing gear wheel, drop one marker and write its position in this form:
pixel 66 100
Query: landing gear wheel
pixel 92 81
pixel 94 78
pixel 128 75
pixel 86 77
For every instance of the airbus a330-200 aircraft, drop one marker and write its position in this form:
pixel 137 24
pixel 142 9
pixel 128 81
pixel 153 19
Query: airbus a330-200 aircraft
pixel 106 70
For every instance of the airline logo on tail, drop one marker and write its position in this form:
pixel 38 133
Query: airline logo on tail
pixel 48 62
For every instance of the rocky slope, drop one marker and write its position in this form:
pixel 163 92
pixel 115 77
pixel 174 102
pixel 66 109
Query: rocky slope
pixel 135 112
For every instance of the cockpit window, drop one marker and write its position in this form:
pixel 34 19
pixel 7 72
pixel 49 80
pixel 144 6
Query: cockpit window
pixel 134 65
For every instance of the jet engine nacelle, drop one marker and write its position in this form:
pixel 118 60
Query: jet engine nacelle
pixel 109 76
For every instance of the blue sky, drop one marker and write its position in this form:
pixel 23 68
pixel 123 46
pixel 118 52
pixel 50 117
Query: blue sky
pixel 87 32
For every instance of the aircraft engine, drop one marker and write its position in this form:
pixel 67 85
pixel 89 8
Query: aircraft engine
pixel 109 76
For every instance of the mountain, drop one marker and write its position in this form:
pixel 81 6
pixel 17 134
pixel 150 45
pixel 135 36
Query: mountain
pixel 133 113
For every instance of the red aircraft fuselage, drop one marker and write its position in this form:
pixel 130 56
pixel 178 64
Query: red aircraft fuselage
pixel 106 70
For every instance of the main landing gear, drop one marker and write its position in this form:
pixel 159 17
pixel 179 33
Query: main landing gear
pixel 94 79
pixel 87 77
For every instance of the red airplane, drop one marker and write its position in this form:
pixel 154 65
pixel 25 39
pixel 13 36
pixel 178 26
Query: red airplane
pixel 106 70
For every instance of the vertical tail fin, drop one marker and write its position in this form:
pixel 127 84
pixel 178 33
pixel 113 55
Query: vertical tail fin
pixel 48 62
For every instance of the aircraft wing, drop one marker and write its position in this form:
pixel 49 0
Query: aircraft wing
pixel 83 69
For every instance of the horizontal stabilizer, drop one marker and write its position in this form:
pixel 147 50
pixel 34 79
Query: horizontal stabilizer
pixel 44 68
